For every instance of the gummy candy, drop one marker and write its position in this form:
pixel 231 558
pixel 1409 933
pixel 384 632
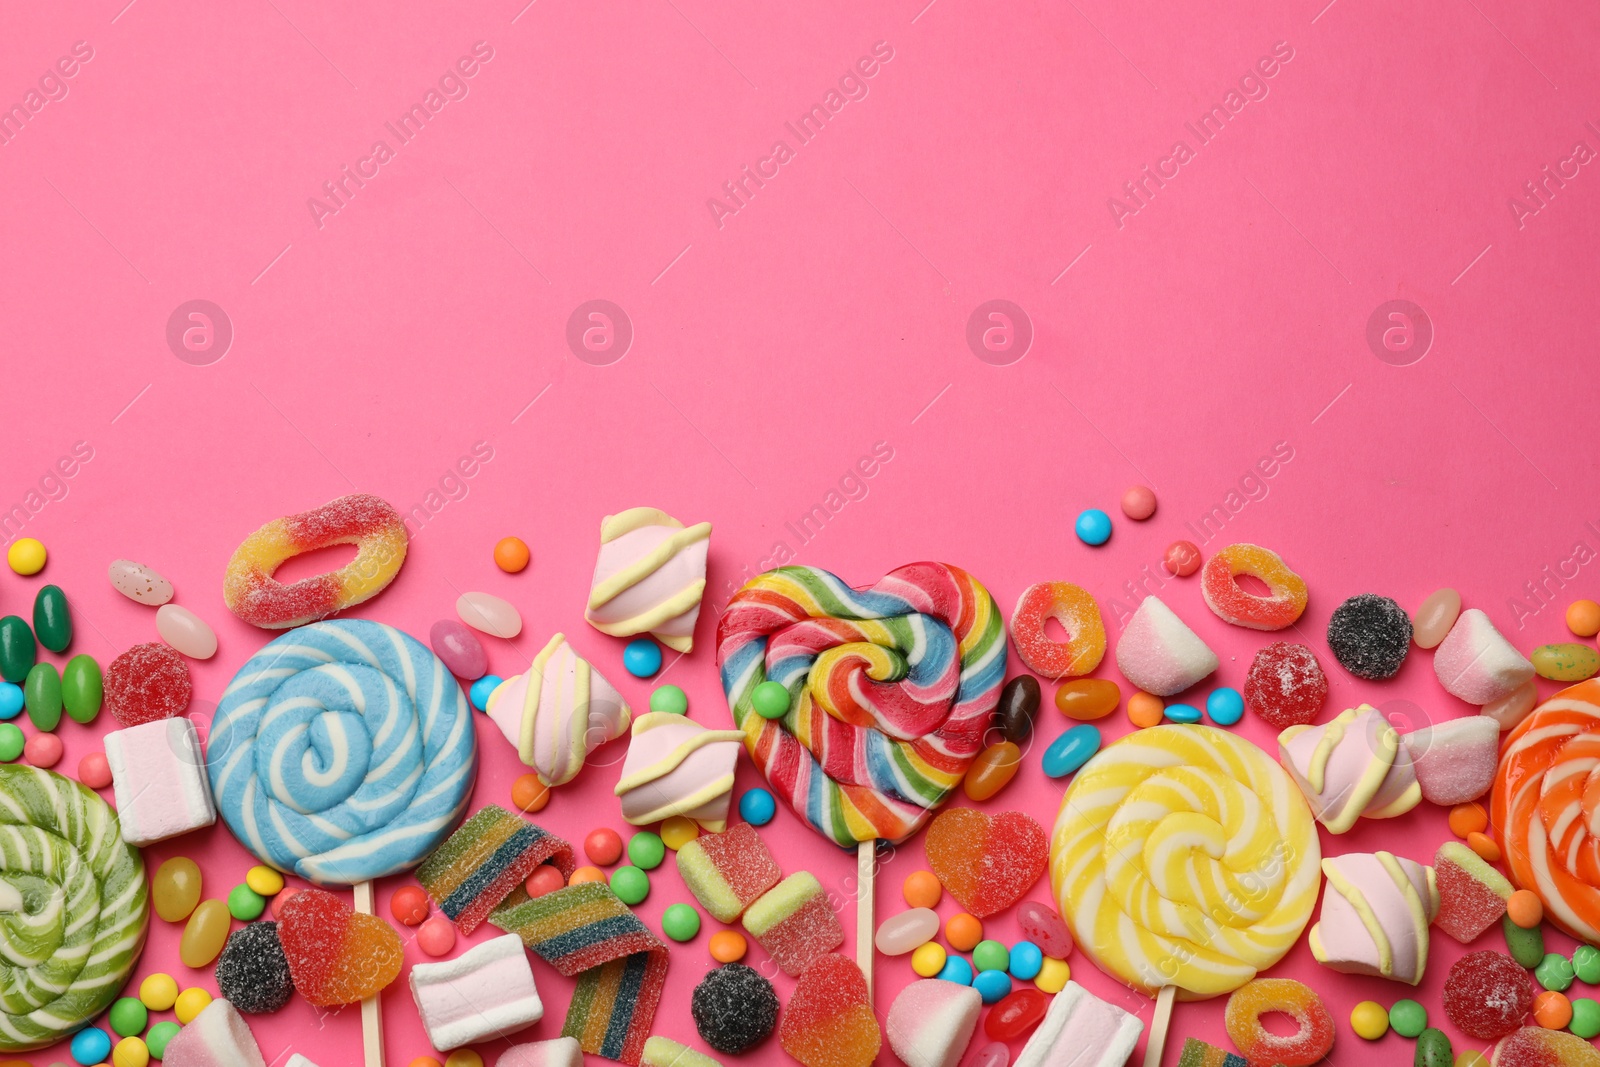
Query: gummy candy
pixel 1472 894
pixel 727 872
pixel 795 922
pixel 1159 653
pixel 1455 760
pixel 217 1035
pixel 986 862
pixel 482 862
pixel 1197 1053
pixel 829 1021
pixel 1263 1048
pixel 734 1008
pixel 336 956
pixel 1077 613
pixel 1016 1014
pixel 930 1022
pixel 146 683
pixel 1370 636
pixel 1232 604
pixel 1477 663
pixel 1487 994
pixel 665 1052
pixel 1534 1046
pixel 175 890
pixel 992 771
pixel 1286 686
pixel 252 971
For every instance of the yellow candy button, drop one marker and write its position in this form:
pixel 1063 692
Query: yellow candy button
pixel 463 1057
pixel 1369 1019
pixel 679 831
pixel 159 992
pixel 264 880
pixel 1053 975
pixel 130 1052
pixel 928 959
pixel 191 1002
pixel 26 556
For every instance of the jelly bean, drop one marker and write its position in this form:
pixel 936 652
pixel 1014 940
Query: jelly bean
pixel 1184 713
pixel 1554 972
pixel 245 903
pixel 922 889
pixel 669 699
pixel 11 742
pixel 646 850
pixel 1145 710
pixel 727 946
pixel 1434 617
pixel 82 688
pixel 409 905
pixel 992 986
pixel 1484 846
pixel 159 1035
pixel 1015 1014
pixel 27 556
pixel 175 889
pixel 992 771
pixel 17 650
pixel 928 960
pixel 1468 818
pixel 490 614
pixel 1026 960
pixel 1408 1018
pixel 459 648
pixel 511 554
pixel 186 631
pixel 529 794
pixel 481 689
pixel 770 699
pixel 1071 750
pixel 1041 925
pixel 963 931
pixel 190 1002
pixel 138 582
pixel 603 846
pixel 906 931
pixel 1433 1050
pixel 1053 976
pixel 52 620
pixel 630 884
pixel 264 880
pixel 463 1057
pixel 1583 618
pixel 437 936
pixel 91 1045
pixel 757 807
pixel 956 970
pixel 1182 559
pixel 1525 909
pixel 1138 502
pixel 1225 706
pixel 158 992
pixel 1093 526
pixel 1471 1058
pixel 1087 699
pixel 1525 945
pixel 41 694
pixel 11 700
pixel 993 1054
pixel 1369 1020
pixel 1585 1018
pixel 991 956
pixel 681 922
pixel 1018 707
pixel 43 750
pixel 1586 964
pixel 1564 663
pixel 128 1016
pixel 678 830
pixel 642 657
pixel 203 936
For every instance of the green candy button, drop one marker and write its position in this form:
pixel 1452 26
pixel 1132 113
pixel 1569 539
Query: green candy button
pixel 771 700
pixel 646 850
pixel 680 922
pixel 11 741
pixel 670 699
pixel 630 884
pixel 1408 1018
pixel 1585 1018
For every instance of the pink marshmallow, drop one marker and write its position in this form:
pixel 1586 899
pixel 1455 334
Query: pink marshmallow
pixel 931 1022
pixel 560 1052
pixel 218 1036
pixel 1398 895
pixel 1455 761
pixel 1477 664
pixel 1161 655
pixel 159 777
pixel 485 992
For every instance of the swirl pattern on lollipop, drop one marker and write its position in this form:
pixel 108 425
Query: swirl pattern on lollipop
pixel 1184 856
pixel 1546 803
pixel 343 751
pixel 74 909
pixel 890 689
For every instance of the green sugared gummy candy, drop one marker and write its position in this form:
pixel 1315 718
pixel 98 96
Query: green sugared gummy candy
pixel 1586 964
pixel 1554 972
pixel 1408 1018
pixel 1525 946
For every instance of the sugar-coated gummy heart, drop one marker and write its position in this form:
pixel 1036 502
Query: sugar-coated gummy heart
pixel 1286 686
pixel 1370 636
pixel 1534 1046
pixel 146 683
pixel 1487 994
pixel 829 1021
pixel 252 971
pixel 1472 894
pixel 987 862
pixel 734 1008
pixel 335 955
pixel 1261 1047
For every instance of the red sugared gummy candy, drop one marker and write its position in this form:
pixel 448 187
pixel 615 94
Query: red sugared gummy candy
pixel 1286 686
pixel 829 1021
pixel 1487 995
pixel 1472 894
pixel 1534 1046
pixel 146 683
pixel 986 862
pixel 336 956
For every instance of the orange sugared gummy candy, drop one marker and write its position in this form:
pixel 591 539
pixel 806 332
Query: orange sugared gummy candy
pixel 336 956
pixel 829 1021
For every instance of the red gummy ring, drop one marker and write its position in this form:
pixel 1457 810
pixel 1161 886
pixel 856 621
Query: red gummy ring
pixel 1075 609
pixel 1262 1047
pixel 1232 604
pixel 368 522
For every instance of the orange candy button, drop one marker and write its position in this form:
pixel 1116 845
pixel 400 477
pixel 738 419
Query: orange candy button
pixel 1552 1010
pixel 1468 818
pixel 586 874
pixel 1145 710
pixel 727 946
pixel 1484 846
pixel 1525 909
pixel 922 889
pixel 529 794
pixel 963 931
pixel 510 554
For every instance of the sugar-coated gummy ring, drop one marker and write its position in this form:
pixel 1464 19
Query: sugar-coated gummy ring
pixel 1075 609
pixel 1264 1048
pixel 1281 608
pixel 368 522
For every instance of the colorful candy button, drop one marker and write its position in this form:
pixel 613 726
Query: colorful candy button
pixel 1369 1020
pixel 27 556
pixel 727 946
pixel 1182 713
pixel 770 699
pixel 1093 526
pixel 630 884
pixel 264 880
pixel 158 992
pixel 646 850
pixel 1026 960
pixel 669 699
pixel 757 807
pixel 681 922
pixel 511 554
pixel 992 986
pixel 642 657
pixel 928 960
pixel 1225 706
pixel 1053 975
pixel 956 970
pixel 479 691
pixel 678 831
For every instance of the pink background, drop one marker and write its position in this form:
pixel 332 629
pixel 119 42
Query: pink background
pixel 1175 345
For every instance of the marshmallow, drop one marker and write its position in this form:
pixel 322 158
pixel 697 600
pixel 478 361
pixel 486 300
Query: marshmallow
pixel 159 778
pixel 297 1060
pixel 1351 766
pixel 1375 916
pixel 1161 655
pixel 1082 1030
pixel 649 577
pixel 485 992
pixel 1477 664
pixel 1456 760
pixel 931 1022
pixel 218 1036
pixel 559 1052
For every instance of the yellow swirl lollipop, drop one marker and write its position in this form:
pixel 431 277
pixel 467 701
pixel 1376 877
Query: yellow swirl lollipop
pixel 1185 857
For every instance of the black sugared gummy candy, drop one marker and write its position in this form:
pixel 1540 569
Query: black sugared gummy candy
pixel 734 1008
pixel 253 972
pixel 1370 636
